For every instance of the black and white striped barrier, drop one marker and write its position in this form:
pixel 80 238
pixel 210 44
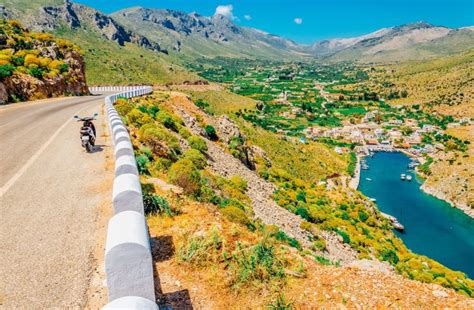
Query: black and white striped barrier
pixel 128 259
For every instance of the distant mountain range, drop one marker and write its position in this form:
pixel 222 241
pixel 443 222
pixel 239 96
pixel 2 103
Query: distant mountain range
pixel 192 35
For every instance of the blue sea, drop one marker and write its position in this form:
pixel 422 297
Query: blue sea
pixel 432 227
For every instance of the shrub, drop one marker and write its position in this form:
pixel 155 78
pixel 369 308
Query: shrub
pixel 200 250
pixel 163 164
pixel 31 60
pixel 197 143
pixel 184 132
pixel 344 235
pixel 258 263
pixel 363 216
pixel 303 212
pixel 160 141
pixel 238 182
pixel 280 303
pixel 123 106
pixel 389 256
pixel 319 244
pixel 282 236
pixel 155 204
pixel 36 72
pixel 142 163
pixel 18 61
pixel 235 214
pixel 185 174
pixel 137 118
pixel 211 132
pixel 167 120
pixel 63 68
pixel 6 71
pixel 196 157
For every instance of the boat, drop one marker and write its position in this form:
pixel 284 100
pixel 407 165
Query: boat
pixel 408 177
pixel 402 176
pixel 373 199
pixel 368 179
pixel 396 224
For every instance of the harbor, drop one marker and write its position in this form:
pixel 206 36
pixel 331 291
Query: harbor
pixel 427 225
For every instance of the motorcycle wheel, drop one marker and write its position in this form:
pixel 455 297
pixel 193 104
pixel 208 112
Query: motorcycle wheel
pixel 89 147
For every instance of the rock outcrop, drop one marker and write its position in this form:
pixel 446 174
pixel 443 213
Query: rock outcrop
pixel 48 68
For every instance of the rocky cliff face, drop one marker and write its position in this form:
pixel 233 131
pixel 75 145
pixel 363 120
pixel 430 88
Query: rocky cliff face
pixel 34 66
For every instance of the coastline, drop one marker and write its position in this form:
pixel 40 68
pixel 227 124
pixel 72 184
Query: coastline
pixel 355 180
pixel 435 193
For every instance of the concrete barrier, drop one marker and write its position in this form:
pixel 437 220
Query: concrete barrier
pixel 131 302
pixel 128 259
pixel 126 164
pixel 127 193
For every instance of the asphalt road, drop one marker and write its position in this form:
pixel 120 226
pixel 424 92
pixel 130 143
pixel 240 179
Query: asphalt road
pixel 52 195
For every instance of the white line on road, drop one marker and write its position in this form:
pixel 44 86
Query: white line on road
pixel 35 156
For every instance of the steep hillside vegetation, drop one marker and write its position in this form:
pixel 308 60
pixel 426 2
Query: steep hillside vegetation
pixel 37 65
pixel 230 223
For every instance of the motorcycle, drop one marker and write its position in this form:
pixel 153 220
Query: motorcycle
pixel 88 133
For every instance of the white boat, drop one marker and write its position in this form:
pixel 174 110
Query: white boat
pixel 368 179
pixel 402 176
pixel 373 199
pixel 408 177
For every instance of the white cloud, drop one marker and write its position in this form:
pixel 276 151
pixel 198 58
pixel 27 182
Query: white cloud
pixel 225 10
pixel 247 17
pixel 298 20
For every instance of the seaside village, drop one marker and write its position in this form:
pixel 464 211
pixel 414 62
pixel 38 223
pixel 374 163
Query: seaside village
pixel 350 117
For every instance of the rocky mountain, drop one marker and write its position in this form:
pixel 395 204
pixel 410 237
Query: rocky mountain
pixel 190 36
pixel 54 15
pixel 196 35
pixel 406 42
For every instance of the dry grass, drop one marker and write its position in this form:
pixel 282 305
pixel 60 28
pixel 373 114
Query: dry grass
pixel 448 81
pixel 205 287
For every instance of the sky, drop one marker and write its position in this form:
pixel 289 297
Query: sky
pixel 306 21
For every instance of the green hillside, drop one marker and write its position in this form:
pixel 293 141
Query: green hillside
pixel 109 63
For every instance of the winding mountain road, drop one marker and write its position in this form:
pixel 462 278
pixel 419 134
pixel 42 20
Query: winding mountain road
pixel 53 200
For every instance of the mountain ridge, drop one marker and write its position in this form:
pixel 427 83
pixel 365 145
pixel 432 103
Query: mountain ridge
pixel 191 35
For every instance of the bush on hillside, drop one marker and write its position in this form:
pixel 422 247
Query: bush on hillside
pixel 137 118
pixel 168 120
pixel 196 157
pixel 211 132
pixel 186 175
pixel 6 70
pixel 123 106
pixel 235 214
pixel 197 143
pixel 155 204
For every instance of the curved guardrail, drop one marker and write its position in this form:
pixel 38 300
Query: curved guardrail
pixel 128 259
